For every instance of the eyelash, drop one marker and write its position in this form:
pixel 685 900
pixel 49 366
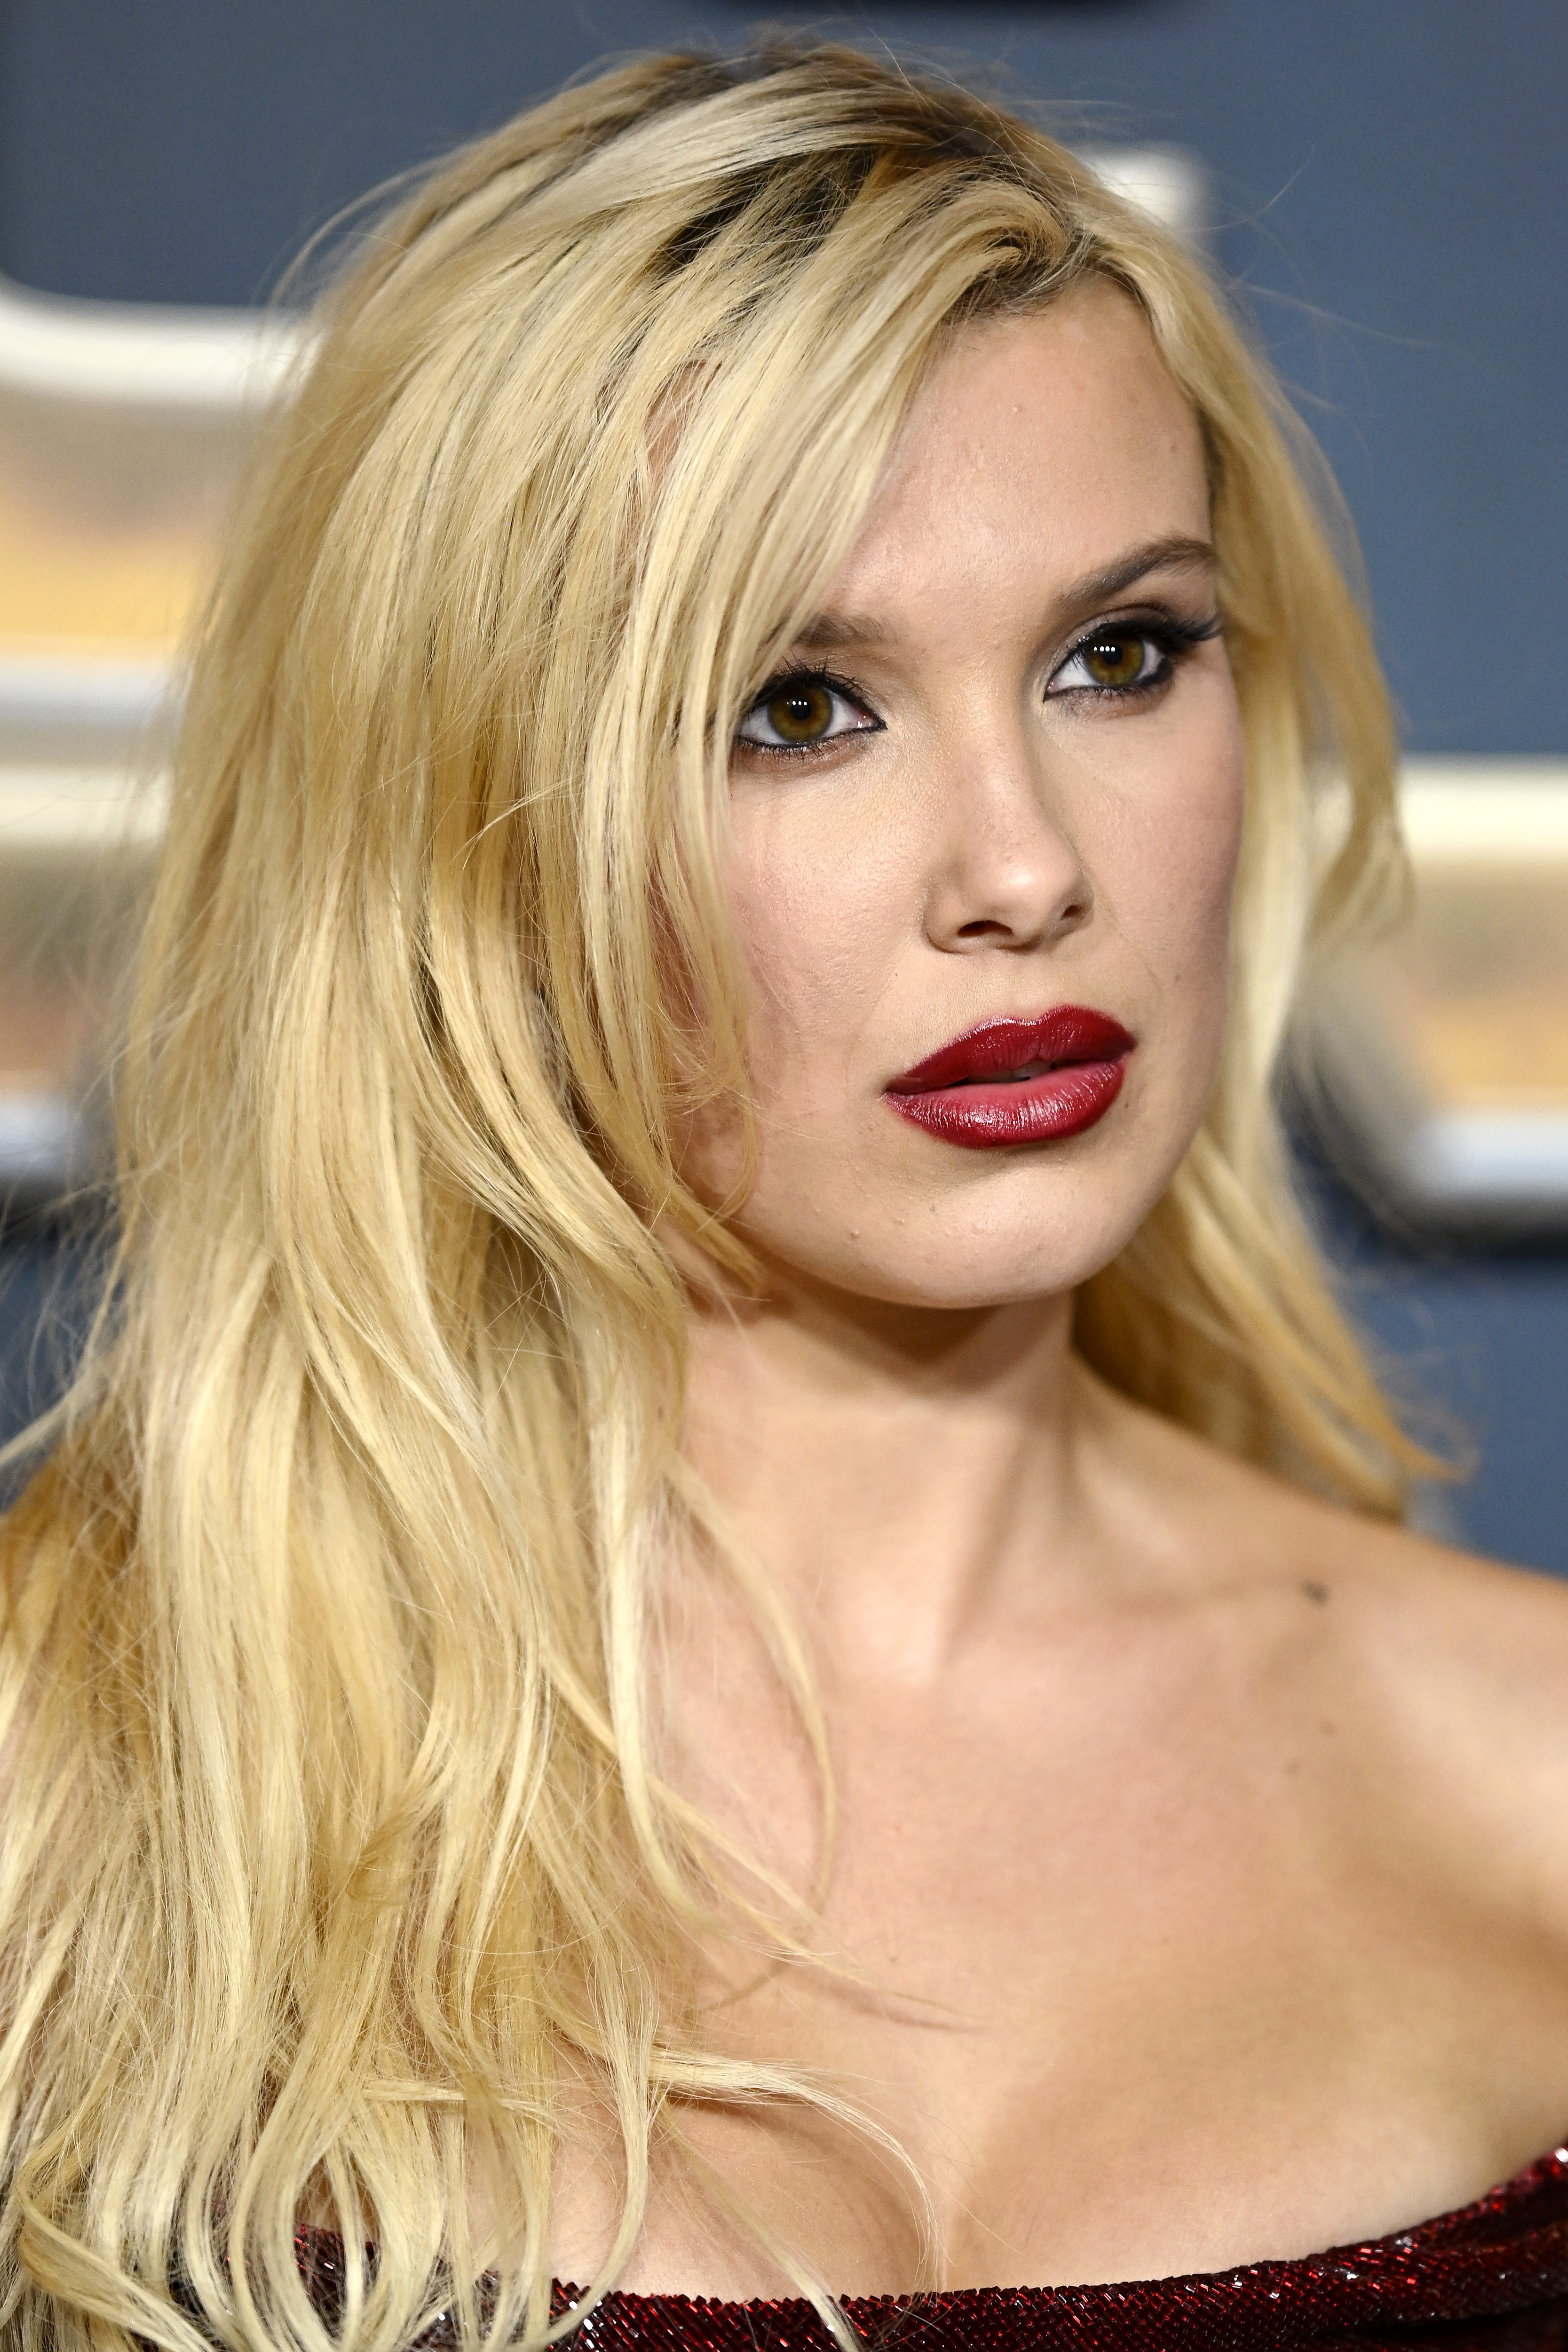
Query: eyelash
pixel 1175 640
pixel 830 683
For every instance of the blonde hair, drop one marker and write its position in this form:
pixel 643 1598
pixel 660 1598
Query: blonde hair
pixel 334 1826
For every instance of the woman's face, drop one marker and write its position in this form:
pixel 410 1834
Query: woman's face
pixel 984 831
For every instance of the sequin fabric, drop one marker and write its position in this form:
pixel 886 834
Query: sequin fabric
pixel 1491 2277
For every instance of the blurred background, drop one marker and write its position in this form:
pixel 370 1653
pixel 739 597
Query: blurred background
pixel 1382 189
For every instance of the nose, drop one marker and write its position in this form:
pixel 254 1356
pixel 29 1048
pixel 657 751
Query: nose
pixel 1006 873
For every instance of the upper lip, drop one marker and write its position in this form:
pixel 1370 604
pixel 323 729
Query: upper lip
pixel 1068 1032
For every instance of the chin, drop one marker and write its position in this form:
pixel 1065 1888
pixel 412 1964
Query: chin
pixel 878 1212
pixel 955 1255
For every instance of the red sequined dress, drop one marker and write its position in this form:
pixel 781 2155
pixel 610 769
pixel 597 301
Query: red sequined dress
pixel 1492 2277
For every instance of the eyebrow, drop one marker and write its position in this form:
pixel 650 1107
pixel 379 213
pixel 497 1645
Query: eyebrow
pixel 1174 554
pixel 831 632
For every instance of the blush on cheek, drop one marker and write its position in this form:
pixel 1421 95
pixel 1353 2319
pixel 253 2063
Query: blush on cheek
pixel 1169 877
pixel 788 991
pixel 1174 904
pixel 812 918
pixel 1201 840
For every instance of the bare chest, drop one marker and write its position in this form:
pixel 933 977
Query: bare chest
pixel 1088 2015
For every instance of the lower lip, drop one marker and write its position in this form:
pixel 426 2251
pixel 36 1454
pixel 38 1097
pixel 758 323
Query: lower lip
pixel 995 1113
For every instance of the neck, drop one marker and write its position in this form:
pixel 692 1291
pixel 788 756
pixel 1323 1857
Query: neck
pixel 900 1470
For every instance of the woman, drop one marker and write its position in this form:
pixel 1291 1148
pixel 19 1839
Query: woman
pixel 722 1611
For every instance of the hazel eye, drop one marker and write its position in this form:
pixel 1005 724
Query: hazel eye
pixel 1112 660
pixel 801 714
pixel 795 714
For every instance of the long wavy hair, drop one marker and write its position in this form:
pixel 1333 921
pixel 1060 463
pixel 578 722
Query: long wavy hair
pixel 334 1829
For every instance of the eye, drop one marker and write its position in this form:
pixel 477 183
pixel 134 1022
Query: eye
pixel 798 712
pixel 1110 660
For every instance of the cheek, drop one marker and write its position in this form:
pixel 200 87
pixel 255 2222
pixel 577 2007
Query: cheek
pixel 814 902
pixel 1176 875
pixel 817 922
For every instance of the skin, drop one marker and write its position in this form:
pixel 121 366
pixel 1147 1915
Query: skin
pixel 1199 1892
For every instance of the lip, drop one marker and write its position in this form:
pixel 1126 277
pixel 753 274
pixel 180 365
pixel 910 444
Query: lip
pixel 969 1092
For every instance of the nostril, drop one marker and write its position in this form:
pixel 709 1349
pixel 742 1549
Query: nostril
pixel 984 930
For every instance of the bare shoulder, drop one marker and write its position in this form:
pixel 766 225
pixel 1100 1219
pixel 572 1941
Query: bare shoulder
pixel 1422 1599
pixel 1451 1673
pixel 1446 1674
pixel 1466 1658
pixel 1437 1633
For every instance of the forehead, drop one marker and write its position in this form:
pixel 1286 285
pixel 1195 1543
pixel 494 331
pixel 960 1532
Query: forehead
pixel 1040 448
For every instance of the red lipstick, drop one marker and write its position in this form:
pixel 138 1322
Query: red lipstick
pixel 1018 1081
